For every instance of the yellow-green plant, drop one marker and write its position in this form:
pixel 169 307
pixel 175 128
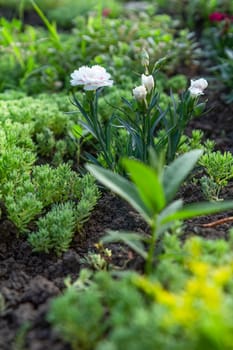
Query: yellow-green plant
pixel 185 304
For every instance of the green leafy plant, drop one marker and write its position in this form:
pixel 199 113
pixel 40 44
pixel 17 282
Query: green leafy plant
pixel 41 122
pixel 151 192
pixel 224 70
pixel 218 40
pixel 185 303
pixel 28 190
pixel 22 205
pixel 32 59
pixel 98 261
pixel 55 230
pixel 193 12
pixel 90 195
pixel 142 118
pixel 61 185
pixel 195 141
pixel 219 168
pixel 54 185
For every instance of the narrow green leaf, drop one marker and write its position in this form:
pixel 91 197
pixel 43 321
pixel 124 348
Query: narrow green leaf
pixel 127 103
pixel 122 187
pixel 77 131
pixel 198 209
pixel 177 171
pixel 132 239
pixel 147 183
pixel 50 26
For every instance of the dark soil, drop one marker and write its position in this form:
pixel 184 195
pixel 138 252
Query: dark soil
pixel 29 16
pixel 28 280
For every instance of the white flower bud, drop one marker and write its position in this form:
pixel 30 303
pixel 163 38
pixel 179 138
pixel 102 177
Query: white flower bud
pixel 145 58
pixel 148 82
pixel 140 93
pixel 197 86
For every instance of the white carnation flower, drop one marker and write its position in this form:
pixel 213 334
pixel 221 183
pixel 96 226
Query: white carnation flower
pixel 140 93
pixel 91 78
pixel 148 82
pixel 197 86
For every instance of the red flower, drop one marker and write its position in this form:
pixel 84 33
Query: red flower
pixel 219 16
pixel 106 12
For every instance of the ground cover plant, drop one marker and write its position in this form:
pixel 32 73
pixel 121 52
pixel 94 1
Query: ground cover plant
pixel 36 62
pixel 116 175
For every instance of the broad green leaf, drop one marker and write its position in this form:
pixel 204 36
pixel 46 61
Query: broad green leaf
pixel 177 171
pixel 122 187
pixel 198 209
pixel 147 183
pixel 132 239
pixel 170 209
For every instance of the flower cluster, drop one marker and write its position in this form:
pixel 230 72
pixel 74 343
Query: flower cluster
pixel 91 78
pixel 147 85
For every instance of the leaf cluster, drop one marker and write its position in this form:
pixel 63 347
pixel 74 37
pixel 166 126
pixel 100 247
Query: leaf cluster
pixel 152 192
pixel 35 62
pixel 219 168
pixel 45 121
pixel 55 229
pixel 130 311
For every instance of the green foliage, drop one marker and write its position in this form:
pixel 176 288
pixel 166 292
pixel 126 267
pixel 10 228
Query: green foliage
pixel 17 152
pixel 90 326
pixel 195 141
pixel 178 115
pixel 61 185
pixel 27 3
pixel 31 58
pixel 219 168
pixel 27 190
pixel 69 10
pixel 137 124
pixel 177 83
pixel 89 198
pixel 151 192
pixel 194 12
pixel 210 188
pixel 63 12
pixel 55 230
pixel 15 161
pixel 98 261
pixel 218 40
pixel 55 184
pixel 22 205
pixel 27 199
pixel 41 110
pixel 43 120
pixel 224 70
pixel 185 303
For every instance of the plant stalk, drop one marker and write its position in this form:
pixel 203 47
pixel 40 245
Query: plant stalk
pixel 150 255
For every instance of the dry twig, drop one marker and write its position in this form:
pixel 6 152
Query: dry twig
pixel 218 222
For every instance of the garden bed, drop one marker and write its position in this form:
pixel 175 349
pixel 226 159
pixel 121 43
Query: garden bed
pixel 30 280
